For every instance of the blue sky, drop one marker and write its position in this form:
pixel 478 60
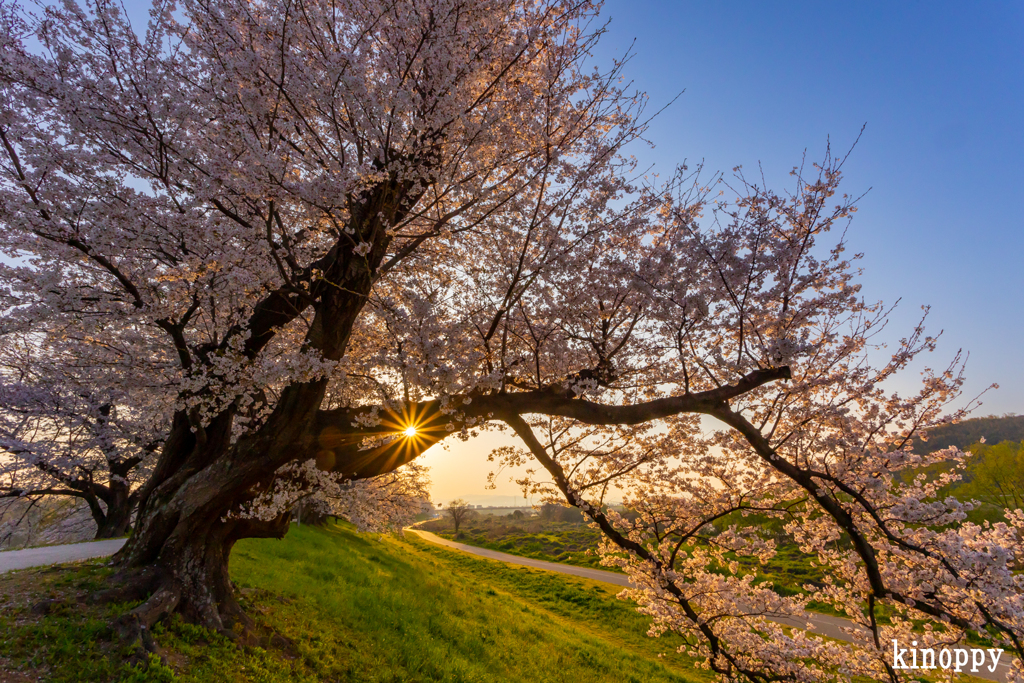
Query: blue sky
pixel 940 87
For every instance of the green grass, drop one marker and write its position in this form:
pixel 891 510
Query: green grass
pixel 576 544
pixel 357 608
pixel 69 644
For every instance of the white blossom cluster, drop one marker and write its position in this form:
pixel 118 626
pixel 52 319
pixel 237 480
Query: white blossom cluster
pixel 385 503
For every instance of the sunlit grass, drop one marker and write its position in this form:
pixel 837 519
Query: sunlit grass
pixel 366 609
pixel 357 608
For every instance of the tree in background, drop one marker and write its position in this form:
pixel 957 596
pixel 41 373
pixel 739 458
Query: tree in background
pixel 67 433
pixel 458 511
pixel 348 232
pixel 996 475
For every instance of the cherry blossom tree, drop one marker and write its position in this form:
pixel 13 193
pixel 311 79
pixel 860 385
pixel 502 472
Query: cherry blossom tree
pixel 66 432
pixel 349 231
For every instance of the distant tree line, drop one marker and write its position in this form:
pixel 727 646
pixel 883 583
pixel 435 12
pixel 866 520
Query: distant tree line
pixel 966 433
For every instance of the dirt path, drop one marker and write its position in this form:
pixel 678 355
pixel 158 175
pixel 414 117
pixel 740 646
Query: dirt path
pixel 824 624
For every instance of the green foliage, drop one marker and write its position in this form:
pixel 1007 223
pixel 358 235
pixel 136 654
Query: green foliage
pixel 154 671
pixel 993 476
pixel 996 475
pixel 356 609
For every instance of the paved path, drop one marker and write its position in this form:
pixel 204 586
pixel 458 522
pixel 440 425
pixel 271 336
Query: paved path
pixel 596 574
pixel 824 624
pixel 57 554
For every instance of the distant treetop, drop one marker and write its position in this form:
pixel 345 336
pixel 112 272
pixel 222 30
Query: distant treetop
pixel 968 432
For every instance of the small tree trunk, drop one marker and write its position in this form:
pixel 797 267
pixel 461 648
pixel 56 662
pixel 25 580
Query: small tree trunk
pixel 118 515
pixel 114 526
pixel 312 517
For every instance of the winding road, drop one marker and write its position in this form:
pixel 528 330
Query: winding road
pixel 824 624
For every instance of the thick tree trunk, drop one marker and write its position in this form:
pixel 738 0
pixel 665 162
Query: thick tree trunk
pixel 193 581
pixel 184 531
pixel 187 572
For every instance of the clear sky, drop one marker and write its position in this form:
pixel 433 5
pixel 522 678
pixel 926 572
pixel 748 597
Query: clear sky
pixel 940 87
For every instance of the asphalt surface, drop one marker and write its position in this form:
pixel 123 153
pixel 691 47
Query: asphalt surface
pixel 57 554
pixel 823 624
pixel 596 574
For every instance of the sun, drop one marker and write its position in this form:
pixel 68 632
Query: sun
pixel 410 431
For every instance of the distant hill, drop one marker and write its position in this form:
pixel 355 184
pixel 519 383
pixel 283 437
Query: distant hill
pixel 969 432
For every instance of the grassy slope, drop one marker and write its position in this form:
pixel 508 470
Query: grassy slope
pixel 575 544
pixel 566 543
pixel 358 609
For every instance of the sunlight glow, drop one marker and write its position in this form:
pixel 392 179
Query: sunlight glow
pixel 410 431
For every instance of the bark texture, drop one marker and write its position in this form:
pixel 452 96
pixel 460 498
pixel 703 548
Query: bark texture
pixel 184 532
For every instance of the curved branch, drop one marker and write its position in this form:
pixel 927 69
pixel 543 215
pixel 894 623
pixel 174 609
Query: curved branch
pixel 340 438
pixel 840 515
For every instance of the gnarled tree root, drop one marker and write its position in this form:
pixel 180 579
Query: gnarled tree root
pixel 129 586
pixel 167 596
pixel 134 627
